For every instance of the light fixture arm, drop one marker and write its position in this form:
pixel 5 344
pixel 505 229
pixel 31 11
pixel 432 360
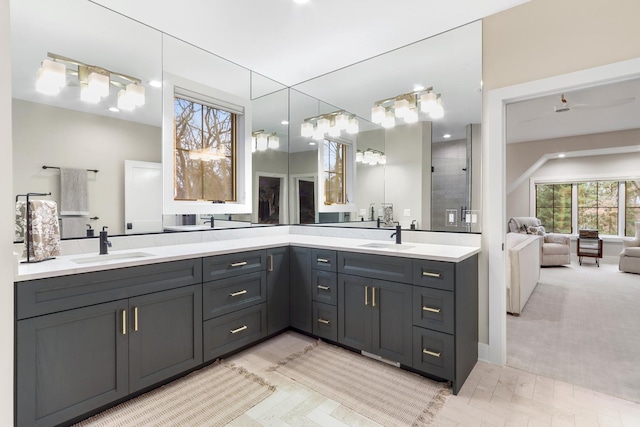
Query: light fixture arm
pixel 100 70
pixel 404 95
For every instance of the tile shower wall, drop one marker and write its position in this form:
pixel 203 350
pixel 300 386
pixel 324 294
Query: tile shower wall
pixel 450 183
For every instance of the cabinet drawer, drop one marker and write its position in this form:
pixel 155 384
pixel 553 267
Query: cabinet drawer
pixel 324 287
pixel 322 259
pixel 232 331
pixel 433 353
pixel 381 267
pixel 325 321
pixel 227 295
pixel 433 309
pixel 44 296
pixel 221 266
pixel 434 274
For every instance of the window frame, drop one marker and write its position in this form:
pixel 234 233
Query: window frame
pixel 349 165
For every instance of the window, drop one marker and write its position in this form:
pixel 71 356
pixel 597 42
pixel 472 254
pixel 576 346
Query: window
pixel 553 207
pixel 205 152
pixel 334 171
pixel 598 206
pixel 631 206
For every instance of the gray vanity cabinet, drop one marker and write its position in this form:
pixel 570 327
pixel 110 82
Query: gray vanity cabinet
pixel 375 316
pixel 300 306
pixel 277 289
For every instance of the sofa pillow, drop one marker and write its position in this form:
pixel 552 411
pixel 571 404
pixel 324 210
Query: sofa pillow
pixel 539 230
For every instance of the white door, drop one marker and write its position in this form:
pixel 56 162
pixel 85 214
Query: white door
pixel 142 197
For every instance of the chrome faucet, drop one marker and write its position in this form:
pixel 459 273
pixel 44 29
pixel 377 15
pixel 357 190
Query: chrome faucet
pixel 398 233
pixel 105 244
pixel 210 221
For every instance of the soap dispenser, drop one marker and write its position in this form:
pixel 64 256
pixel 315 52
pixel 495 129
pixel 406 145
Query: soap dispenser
pixel 90 231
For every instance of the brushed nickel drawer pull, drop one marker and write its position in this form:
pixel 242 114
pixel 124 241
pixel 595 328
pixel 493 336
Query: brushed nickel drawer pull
pixel 235 294
pixel 124 322
pixel 323 260
pixel 366 295
pixel 433 310
pixel 238 264
pixel 430 274
pixel 135 319
pixel 240 329
pixel 373 297
pixel 270 263
pixel 323 321
pixel 323 288
pixel 431 353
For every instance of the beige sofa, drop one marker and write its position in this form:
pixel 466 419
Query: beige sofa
pixel 555 249
pixel 630 255
pixel 523 269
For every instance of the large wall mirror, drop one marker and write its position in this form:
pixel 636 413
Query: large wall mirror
pixel 287 177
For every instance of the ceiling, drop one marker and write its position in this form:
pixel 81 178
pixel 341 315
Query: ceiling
pixel 603 108
pixel 291 42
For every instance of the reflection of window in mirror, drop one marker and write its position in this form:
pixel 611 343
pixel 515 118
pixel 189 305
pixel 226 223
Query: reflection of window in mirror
pixel 205 151
pixel 334 172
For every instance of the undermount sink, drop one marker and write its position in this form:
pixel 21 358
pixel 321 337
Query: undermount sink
pixel 385 246
pixel 112 257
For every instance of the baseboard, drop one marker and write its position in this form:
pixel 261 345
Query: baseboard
pixel 483 352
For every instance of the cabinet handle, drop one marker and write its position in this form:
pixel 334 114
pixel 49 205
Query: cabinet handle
pixel 240 329
pixel 433 310
pixel 124 322
pixel 135 319
pixel 235 294
pixel 238 264
pixel 430 353
pixel 373 297
pixel 430 274
pixel 270 263
pixel 366 295
pixel 323 260
pixel 325 322
pixel 323 288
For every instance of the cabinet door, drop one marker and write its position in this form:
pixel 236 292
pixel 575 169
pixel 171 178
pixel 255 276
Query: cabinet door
pixel 71 362
pixel 354 312
pixel 277 289
pixel 391 324
pixel 165 335
pixel 300 289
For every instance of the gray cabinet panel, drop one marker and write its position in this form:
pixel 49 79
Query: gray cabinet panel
pixel 277 289
pixel 221 266
pixel 44 296
pixel 354 314
pixel 70 363
pixel 324 287
pixel 434 274
pixel 433 309
pixel 325 321
pixel 323 259
pixel 466 337
pixel 165 335
pixel 391 324
pixel 381 267
pixel 300 310
pixel 232 331
pixel 434 353
pixel 233 293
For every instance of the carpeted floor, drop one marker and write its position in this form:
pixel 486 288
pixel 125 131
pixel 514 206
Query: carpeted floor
pixel 582 326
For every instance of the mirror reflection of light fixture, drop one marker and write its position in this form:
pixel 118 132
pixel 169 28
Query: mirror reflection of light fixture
pixel 407 107
pixel 371 157
pixel 330 123
pixel 261 141
pixel 94 82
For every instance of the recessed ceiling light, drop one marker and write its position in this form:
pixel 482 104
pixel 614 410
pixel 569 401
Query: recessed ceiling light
pixel 301 1
pixel 446 135
pixel 284 122
pixel 155 83
pixel 561 155
pixel 114 109
pixel 312 143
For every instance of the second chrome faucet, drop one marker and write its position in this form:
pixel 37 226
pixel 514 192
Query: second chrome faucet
pixel 105 244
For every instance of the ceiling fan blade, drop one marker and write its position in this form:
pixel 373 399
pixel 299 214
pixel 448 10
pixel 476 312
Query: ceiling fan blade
pixel 534 118
pixel 614 103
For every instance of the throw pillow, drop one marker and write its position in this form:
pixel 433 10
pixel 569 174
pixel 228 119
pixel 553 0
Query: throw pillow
pixel 538 230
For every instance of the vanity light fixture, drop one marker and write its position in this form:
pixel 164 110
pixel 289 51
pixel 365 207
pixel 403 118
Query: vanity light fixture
pixel 371 157
pixel 446 136
pixel 261 141
pixel 94 82
pixel 330 123
pixel 407 106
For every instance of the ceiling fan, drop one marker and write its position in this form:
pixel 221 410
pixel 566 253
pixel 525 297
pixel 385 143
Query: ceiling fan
pixel 565 106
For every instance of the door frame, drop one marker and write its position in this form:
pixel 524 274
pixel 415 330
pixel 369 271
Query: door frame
pixel 494 168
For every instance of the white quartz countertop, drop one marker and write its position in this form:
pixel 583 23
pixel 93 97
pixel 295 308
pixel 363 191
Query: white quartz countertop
pixel 84 263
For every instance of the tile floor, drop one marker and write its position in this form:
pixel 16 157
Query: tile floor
pixel 491 396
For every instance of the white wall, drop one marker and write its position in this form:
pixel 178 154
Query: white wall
pixel 270 161
pixel 369 179
pixel 7 218
pixel 45 135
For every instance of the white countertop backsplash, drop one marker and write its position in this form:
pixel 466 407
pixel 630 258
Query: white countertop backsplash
pixel 176 246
